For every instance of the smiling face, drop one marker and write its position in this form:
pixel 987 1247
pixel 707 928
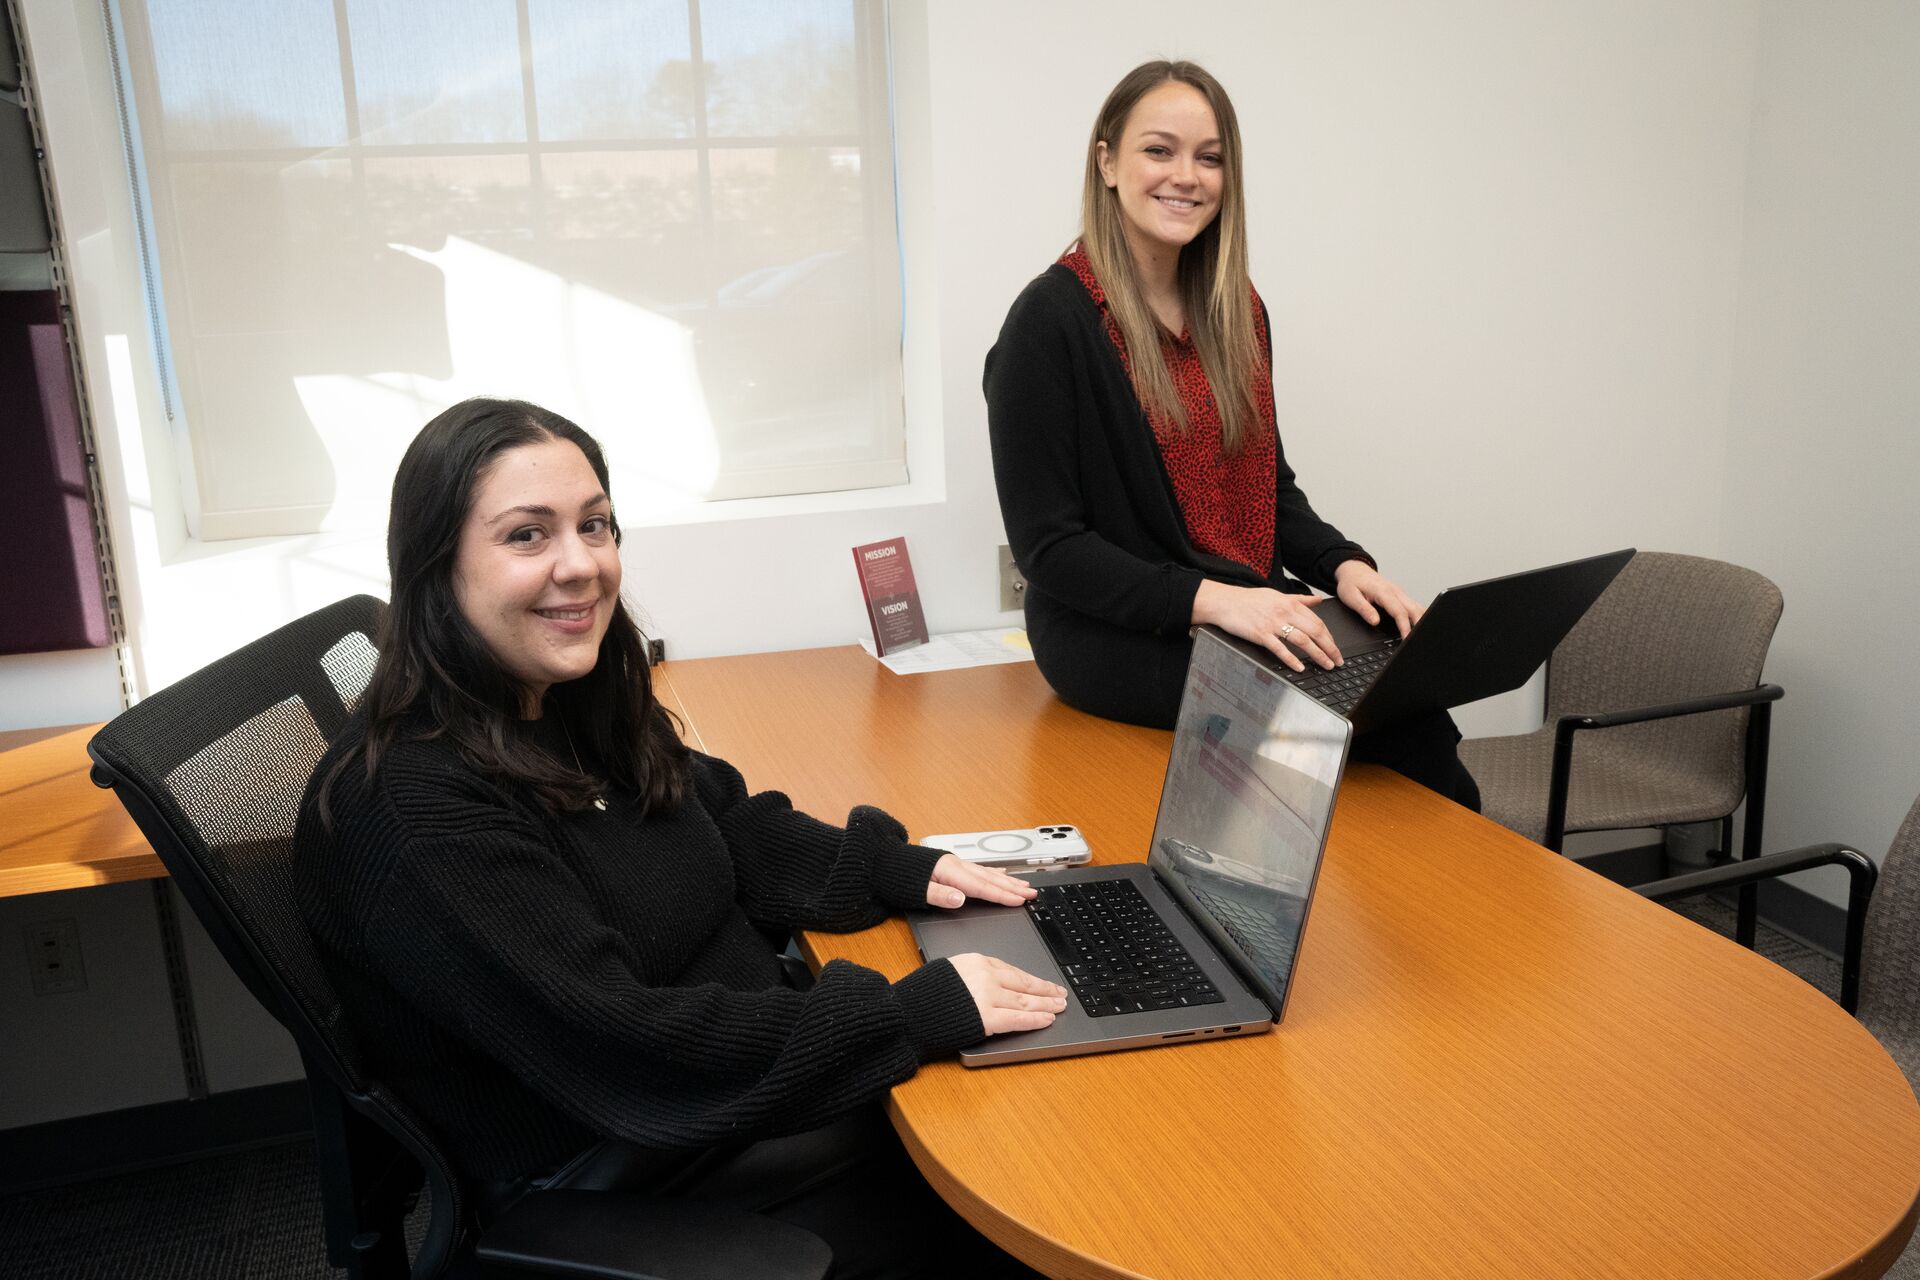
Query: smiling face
pixel 537 571
pixel 1167 170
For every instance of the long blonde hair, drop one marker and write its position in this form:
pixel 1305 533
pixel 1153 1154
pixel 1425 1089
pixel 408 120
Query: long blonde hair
pixel 1212 272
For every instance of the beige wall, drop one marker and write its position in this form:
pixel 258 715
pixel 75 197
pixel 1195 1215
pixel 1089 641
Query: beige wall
pixel 1823 440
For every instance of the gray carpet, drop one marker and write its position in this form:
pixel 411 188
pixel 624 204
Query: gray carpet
pixel 255 1215
pixel 1818 968
pixel 252 1214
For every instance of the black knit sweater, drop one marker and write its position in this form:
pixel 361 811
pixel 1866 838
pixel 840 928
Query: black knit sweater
pixel 530 982
pixel 1092 517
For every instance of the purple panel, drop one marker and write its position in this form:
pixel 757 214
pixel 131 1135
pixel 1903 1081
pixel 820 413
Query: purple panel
pixel 51 596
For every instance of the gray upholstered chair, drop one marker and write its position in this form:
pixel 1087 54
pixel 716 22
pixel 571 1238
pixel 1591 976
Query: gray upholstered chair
pixel 1655 712
pixel 1890 983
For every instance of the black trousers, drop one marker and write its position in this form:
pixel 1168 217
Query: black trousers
pixel 850 1183
pixel 1138 677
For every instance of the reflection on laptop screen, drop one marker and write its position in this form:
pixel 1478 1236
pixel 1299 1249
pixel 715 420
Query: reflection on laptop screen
pixel 1246 806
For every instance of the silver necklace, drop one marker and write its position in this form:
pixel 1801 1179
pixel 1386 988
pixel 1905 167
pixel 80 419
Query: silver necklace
pixel 599 802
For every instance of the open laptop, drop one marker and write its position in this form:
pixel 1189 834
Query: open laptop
pixel 1200 940
pixel 1473 642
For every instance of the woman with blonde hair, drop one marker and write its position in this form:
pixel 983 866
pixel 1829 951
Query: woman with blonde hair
pixel 1135 445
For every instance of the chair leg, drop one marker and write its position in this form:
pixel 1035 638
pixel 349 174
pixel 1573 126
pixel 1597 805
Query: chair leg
pixel 1746 920
pixel 1759 723
pixel 365 1218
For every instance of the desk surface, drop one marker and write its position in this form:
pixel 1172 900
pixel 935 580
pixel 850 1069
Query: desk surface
pixel 1495 1063
pixel 58 830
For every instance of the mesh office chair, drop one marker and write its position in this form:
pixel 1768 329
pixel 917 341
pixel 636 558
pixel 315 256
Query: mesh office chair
pixel 1655 712
pixel 212 769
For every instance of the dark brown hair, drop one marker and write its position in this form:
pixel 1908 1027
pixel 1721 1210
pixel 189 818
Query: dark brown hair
pixel 436 677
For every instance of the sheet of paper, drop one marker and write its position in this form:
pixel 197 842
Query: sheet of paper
pixel 959 649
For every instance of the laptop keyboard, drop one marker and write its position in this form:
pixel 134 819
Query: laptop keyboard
pixel 1118 956
pixel 1341 687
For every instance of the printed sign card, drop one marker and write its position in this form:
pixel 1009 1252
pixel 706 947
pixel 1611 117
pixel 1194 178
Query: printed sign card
pixel 893 602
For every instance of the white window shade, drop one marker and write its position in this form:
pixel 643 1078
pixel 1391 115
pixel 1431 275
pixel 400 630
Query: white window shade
pixel 669 220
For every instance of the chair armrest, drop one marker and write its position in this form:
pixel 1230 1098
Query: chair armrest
pixel 610 1235
pixel 1568 725
pixel 1732 874
pixel 1861 877
pixel 1560 782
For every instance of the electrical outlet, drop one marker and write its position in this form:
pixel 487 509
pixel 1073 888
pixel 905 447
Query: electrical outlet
pixel 53 955
pixel 656 652
pixel 1013 587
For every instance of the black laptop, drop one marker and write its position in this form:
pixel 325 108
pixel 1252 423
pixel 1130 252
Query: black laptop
pixel 1473 642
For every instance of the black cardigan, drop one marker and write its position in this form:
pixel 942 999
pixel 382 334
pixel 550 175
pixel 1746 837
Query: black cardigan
pixel 530 982
pixel 1092 518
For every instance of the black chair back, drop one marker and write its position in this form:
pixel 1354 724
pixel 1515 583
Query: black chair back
pixel 212 769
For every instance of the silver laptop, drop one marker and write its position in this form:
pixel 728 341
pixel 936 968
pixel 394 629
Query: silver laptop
pixel 1200 940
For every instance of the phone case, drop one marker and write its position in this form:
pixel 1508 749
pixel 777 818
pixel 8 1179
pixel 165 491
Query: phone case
pixel 1057 845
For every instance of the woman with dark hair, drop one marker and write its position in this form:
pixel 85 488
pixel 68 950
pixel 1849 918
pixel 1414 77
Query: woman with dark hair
pixel 550 922
pixel 1135 448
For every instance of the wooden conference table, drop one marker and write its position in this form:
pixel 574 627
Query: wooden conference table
pixel 1495 1063
pixel 58 830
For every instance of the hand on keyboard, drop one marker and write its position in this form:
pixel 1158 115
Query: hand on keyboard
pixel 1278 620
pixel 1363 590
pixel 955 880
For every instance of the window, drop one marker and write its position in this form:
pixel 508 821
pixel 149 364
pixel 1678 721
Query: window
pixel 670 220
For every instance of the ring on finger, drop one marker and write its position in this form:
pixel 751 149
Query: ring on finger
pixel 1286 631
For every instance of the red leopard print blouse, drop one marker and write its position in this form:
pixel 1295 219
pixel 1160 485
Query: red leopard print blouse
pixel 1228 502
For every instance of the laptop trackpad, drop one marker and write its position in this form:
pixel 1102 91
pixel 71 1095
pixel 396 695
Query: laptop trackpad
pixel 1005 933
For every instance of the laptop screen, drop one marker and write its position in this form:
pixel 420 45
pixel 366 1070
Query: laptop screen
pixel 1246 806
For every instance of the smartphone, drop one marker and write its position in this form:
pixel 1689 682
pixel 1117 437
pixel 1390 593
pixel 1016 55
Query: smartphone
pixel 1059 845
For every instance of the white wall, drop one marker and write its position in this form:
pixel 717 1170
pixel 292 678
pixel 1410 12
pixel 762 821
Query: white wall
pixel 1499 241
pixel 58 688
pixel 1823 445
pixel 104 1048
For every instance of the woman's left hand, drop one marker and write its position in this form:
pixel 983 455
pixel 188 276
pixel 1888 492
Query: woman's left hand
pixel 955 880
pixel 1362 589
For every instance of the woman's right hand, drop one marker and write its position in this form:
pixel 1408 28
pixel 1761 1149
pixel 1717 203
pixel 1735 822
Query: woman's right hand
pixel 1276 620
pixel 1008 999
